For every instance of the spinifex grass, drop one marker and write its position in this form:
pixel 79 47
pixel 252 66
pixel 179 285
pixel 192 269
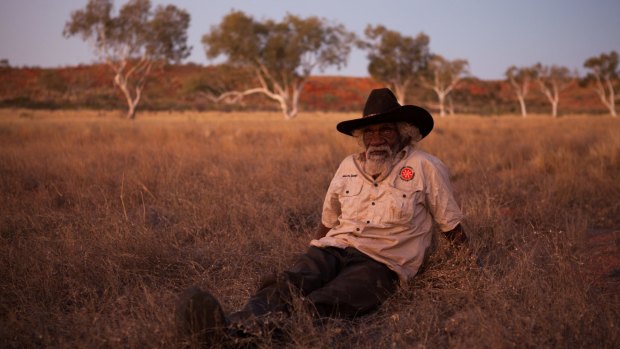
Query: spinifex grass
pixel 104 221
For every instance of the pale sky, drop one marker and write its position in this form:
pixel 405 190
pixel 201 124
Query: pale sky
pixel 490 34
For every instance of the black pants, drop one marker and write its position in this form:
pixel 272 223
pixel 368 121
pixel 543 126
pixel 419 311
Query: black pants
pixel 336 282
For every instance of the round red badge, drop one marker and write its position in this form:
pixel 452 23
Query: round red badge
pixel 406 173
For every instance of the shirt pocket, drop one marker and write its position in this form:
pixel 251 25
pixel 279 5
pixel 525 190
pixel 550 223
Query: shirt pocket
pixel 403 203
pixel 349 196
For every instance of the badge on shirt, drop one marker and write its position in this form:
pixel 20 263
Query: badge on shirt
pixel 407 173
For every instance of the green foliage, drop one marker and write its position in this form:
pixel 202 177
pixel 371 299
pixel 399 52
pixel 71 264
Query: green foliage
pixel 553 73
pixel 395 59
pixel 521 74
pixel 605 65
pixel 288 49
pixel 168 34
pixel 135 32
pixel 281 54
pixel 603 68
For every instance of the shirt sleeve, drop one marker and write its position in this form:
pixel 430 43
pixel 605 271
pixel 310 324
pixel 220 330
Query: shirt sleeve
pixel 439 196
pixel 331 206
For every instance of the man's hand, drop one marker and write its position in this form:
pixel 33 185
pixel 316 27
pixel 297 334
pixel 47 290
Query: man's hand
pixel 321 231
pixel 456 236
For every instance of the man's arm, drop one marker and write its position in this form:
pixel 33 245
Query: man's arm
pixel 321 231
pixel 456 236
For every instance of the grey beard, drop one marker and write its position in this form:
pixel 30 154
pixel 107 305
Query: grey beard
pixel 376 164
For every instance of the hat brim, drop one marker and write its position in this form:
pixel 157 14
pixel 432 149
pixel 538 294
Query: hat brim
pixel 412 114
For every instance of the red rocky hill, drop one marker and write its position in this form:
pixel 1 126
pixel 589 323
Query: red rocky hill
pixel 183 87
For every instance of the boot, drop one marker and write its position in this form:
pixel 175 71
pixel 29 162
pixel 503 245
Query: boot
pixel 200 318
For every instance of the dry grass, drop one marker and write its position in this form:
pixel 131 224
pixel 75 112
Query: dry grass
pixel 104 221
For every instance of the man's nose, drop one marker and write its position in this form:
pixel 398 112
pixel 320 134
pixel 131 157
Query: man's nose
pixel 375 139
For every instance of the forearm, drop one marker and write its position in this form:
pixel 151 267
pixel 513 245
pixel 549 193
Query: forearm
pixel 456 236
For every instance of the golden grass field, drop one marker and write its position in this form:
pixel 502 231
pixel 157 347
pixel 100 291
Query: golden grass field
pixel 104 221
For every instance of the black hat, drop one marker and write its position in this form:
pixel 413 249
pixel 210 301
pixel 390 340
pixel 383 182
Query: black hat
pixel 382 106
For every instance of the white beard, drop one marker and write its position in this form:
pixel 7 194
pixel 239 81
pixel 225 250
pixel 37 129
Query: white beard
pixel 378 160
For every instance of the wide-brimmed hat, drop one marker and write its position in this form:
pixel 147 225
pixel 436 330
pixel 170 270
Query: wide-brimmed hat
pixel 382 106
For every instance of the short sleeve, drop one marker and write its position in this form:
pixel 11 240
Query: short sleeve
pixel 331 205
pixel 439 196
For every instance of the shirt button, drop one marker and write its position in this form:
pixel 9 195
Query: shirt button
pixel 404 195
pixel 367 222
pixel 373 203
pixel 376 185
pixel 347 192
pixel 358 229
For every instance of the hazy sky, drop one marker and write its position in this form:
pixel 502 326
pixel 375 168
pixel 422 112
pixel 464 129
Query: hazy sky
pixel 490 34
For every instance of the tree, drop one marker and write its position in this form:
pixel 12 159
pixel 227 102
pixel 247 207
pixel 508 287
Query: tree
pixel 282 55
pixel 132 42
pixel 395 59
pixel 604 71
pixel 442 76
pixel 551 81
pixel 520 79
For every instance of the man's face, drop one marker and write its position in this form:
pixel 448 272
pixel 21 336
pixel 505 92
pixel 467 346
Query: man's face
pixel 381 140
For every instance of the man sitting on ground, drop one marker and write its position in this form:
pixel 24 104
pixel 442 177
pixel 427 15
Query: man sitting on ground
pixel 376 228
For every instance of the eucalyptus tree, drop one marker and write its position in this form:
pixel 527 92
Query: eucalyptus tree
pixel 552 80
pixel 521 79
pixel 282 55
pixel 132 41
pixel 442 76
pixel 604 71
pixel 395 59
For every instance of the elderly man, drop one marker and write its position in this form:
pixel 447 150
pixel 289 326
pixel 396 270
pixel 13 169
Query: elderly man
pixel 377 225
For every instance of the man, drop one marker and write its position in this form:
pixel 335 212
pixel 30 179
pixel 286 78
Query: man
pixel 376 227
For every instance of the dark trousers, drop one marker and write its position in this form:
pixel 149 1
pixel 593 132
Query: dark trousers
pixel 336 282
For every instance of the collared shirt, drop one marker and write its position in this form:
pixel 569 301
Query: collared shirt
pixel 390 218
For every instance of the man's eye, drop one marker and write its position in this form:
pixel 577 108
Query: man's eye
pixel 385 132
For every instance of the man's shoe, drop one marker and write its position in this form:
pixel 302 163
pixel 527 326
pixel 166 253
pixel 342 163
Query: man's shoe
pixel 200 317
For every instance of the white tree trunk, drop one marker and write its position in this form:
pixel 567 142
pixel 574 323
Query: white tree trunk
pixel 287 104
pixel 521 89
pixel 612 98
pixel 522 104
pixel 122 77
pixel 400 91
pixel 607 95
pixel 442 101
pixel 132 102
pixel 553 96
pixel 608 101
